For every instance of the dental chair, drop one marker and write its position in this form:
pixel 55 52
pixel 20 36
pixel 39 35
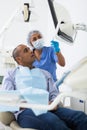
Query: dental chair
pixel 7 118
pixel 76 80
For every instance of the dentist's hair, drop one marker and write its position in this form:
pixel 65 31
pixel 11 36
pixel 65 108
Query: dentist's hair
pixel 30 35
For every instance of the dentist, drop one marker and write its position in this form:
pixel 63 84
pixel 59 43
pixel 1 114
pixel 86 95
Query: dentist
pixel 46 57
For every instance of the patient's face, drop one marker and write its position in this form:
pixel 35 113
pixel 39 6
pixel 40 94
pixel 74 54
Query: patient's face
pixel 26 56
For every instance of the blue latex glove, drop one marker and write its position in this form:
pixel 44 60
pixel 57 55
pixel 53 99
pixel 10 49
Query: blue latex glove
pixel 55 45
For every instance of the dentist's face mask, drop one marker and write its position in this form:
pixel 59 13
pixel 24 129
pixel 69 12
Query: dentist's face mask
pixel 38 44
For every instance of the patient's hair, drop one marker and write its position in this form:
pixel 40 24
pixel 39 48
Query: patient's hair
pixel 16 52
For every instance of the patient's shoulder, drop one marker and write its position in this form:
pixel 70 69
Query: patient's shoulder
pixel 11 72
pixel 46 73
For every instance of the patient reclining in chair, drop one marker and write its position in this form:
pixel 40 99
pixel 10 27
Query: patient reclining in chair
pixel 37 86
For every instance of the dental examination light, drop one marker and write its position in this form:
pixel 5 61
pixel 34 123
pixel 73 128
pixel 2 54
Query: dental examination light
pixel 17 15
pixel 65 30
pixel 26 12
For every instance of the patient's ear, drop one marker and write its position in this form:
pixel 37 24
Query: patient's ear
pixel 18 59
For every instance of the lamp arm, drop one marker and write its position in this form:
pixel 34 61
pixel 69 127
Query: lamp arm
pixel 80 26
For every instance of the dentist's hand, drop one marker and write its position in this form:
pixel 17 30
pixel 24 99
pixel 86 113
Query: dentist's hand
pixel 55 45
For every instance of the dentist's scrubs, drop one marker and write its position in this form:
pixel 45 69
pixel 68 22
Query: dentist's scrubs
pixel 48 61
pixel 60 119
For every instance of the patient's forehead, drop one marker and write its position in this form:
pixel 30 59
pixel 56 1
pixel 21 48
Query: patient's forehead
pixel 21 47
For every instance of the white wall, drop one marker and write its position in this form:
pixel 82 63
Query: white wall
pixel 18 30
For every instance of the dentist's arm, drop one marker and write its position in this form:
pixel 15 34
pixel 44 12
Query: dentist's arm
pixel 61 59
